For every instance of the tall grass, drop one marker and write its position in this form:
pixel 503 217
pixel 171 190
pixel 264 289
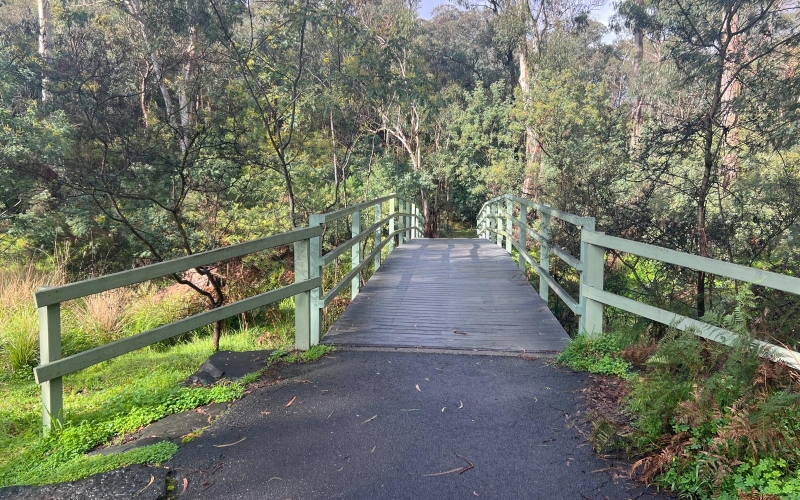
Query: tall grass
pixel 19 327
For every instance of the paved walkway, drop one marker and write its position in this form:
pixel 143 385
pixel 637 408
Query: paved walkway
pixel 400 425
pixel 449 293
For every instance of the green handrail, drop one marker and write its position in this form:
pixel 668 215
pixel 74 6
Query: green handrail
pixel 307 291
pixel 496 221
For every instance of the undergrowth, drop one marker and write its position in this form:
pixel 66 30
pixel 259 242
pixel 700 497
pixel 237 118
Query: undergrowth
pixel 709 420
pixel 597 355
pixel 106 401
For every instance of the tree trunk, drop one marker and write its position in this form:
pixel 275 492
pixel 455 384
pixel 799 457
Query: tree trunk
pixel 217 335
pixel 637 112
pixel 45 43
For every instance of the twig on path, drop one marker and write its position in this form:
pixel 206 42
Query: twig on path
pixel 460 470
pixel 152 478
pixel 290 402
pixel 369 419
pixel 229 444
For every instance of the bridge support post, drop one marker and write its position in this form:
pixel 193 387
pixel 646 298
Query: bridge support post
pixel 302 301
pixel 509 224
pixel 408 225
pixel 544 256
pixel 498 224
pixel 378 236
pixel 401 222
pixel 492 225
pixel 592 260
pixel 392 211
pixel 315 271
pixel 523 235
pixel 355 253
pixel 50 350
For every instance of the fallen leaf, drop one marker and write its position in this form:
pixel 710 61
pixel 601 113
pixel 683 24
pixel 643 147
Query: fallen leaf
pixel 370 418
pixel 460 404
pixel 373 449
pixel 475 493
pixel 417 386
pixel 185 485
pixel 152 478
pixel 229 444
pixel 290 402
pixel 265 413
pixel 340 470
pixel 443 407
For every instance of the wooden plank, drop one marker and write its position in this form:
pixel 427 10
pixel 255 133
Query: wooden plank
pixel 729 270
pixel 302 301
pixel 338 214
pixel 562 294
pixel 55 369
pixel 336 252
pixel 50 351
pixel 710 332
pixel 355 255
pixel 45 296
pixel 586 222
pixel 376 240
pixel 426 289
pixel 354 272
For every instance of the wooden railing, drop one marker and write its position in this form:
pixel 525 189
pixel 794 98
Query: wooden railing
pixel 306 290
pixel 496 221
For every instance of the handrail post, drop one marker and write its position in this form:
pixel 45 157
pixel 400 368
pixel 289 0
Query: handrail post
pixel 523 235
pixel 498 223
pixel 315 271
pixel 408 221
pixel 492 224
pixel 418 220
pixel 401 222
pixel 392 211
pixel 355 253
pixel 544 255
pixel 49 351
pixel 412 223
pixel 509 224
pixel 593 260
pixel 378 237
pixel 302 301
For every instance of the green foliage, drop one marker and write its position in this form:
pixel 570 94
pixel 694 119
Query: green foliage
pixel 597 355
pixel 767 476
pixel 287 355
pixel 86 466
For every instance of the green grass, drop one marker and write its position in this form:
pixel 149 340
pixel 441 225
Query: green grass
pixel 104 402
pixel 597 355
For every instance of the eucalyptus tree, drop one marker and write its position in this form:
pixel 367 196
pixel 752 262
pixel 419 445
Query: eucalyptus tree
pixel 146 97
pixel 725 60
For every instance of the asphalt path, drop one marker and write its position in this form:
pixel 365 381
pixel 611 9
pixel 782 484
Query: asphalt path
pixel 399 425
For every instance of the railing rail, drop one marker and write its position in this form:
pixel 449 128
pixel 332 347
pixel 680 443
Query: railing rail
pixel 306 290
pixel 496 222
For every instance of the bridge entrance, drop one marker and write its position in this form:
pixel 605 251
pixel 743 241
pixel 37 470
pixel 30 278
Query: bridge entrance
pixel 460 293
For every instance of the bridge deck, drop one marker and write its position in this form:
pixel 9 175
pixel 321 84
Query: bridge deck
pixel 449 293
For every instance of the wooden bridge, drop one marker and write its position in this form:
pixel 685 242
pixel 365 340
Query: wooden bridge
pixel 452 294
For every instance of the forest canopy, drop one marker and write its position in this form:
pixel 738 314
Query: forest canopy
pixel 136 131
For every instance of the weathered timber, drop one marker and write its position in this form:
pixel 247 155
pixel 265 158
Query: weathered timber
pixel 449 293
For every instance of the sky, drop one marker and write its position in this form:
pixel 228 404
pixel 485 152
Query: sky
pixel 601 14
